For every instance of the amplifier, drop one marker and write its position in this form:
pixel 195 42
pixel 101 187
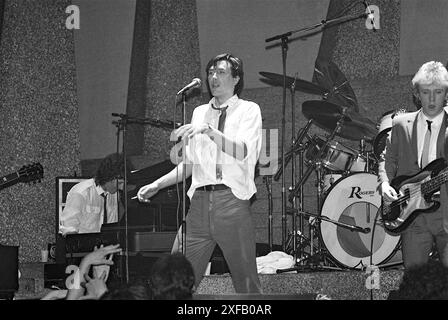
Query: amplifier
pixel 152 241
pixel 9 278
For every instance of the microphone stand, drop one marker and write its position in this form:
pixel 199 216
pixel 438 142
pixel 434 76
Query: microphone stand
pixel 184 178
pixel 121 126
pixel 338 223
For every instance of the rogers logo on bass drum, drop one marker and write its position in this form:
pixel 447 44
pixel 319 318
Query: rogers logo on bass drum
pixel 358 193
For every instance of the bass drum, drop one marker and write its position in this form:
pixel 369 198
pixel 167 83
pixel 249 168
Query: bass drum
pixel 354 200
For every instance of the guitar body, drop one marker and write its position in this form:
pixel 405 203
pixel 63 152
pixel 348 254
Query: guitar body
pixel 398 214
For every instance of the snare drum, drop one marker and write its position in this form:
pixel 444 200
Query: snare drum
pixel 335 156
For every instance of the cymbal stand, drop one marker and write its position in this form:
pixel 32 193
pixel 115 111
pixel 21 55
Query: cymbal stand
pixel 293 172
pixel 268 181
pixel 297 147
pixel 313 225
pixel 362 149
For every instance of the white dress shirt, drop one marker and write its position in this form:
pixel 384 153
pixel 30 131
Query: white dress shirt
pixel 243 123
pixel 422 127
pixel 84 208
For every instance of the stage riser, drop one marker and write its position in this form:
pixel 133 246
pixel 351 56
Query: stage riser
pixel 349 285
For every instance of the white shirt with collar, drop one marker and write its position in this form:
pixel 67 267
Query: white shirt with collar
pixel 243 123
pixel 83 211
pixel 422 127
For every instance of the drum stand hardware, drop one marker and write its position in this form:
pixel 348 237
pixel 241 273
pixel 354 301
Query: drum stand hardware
pixel 317 259
pixel 297 147
pixel 299 185
pixel 268 181
pixel 298 191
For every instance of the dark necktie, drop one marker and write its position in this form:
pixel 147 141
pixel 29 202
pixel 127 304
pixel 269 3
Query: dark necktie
pixel 425 152
pixel 104 207
pixel 221 122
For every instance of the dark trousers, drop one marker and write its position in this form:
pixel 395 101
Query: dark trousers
pixel 218 217
pixel 418 239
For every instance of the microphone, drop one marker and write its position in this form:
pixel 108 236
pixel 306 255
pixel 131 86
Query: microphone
pixel 370 15
pixel 196 82
pixel 363 230
pixel 304 131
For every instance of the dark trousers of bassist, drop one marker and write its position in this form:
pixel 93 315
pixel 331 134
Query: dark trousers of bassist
pixel 419 237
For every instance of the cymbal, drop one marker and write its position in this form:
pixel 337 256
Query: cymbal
pixel 328 75
pixel 301 85
pixel 327 114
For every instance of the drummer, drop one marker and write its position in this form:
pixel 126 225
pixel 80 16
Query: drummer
pixel 409 151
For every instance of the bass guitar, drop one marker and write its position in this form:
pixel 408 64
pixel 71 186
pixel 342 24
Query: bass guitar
pixel 28 173
pixel 415 196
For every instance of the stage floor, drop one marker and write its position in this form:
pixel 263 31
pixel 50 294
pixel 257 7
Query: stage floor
pixel 336 285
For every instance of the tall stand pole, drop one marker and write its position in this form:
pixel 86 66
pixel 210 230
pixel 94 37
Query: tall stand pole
pixel 268 181
pixel 184 178
pixel 284 227
pixel 301 199
pixel 293 170
pixel 125 191
pixel 121 127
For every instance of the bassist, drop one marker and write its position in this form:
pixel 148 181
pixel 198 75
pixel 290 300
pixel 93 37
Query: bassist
pixel 417 138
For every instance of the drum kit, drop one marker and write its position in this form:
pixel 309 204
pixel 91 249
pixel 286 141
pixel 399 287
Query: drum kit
pixel 344 232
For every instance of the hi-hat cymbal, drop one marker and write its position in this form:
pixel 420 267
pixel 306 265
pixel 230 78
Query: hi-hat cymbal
pixel 326 115
pixel 300 85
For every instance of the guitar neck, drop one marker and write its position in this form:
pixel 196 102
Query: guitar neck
pixel 9 180
pixel 435 183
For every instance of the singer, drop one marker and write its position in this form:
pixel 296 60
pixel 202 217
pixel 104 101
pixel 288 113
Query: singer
pixel 224 143
pixel 417 138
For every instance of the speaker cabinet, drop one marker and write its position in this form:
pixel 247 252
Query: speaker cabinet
pixel 9 271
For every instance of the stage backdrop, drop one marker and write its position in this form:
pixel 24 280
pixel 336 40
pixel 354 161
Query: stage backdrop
pixel 102 51
pixel 242 26
pixel 424 26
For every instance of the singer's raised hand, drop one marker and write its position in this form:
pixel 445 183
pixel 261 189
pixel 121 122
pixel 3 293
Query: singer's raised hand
pixel 147 192
pixel 189 130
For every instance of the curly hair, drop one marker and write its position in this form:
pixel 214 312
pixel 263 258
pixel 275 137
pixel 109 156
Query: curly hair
pixel 425 282
pixel 110 168
pixel 172 278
